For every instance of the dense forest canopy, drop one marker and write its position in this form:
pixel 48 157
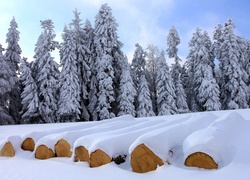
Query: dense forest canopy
pixel 95 81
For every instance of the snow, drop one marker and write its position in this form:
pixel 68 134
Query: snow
pixel 225 134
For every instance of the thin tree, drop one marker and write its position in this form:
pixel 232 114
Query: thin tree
pixel 29 96
pixel 145 107
pixel 13 56
pixel 69 99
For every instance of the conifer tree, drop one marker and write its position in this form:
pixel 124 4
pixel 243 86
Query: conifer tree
pixel 91 60
pixel 127 92
pixel 145 107
pixel 204 86
pixel 13 56
pixel 69 99
pixel 173 41
pixel 46 73
pixel 7 83
pixel 234 93
pixel 165 89
pixel 106 42
pixel 29 96
pixel 83 68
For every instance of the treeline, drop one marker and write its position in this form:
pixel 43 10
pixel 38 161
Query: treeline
pixel 96 82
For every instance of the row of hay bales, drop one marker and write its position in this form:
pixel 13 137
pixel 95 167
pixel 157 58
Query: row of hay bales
pixel 144 157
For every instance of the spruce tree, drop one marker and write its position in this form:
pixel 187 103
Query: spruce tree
pixel 91 60
pixel 127 92
pixel 7 83
pixel 165 89
pixel 13 56
pixel 145 107
pixel 234 91
pixel 45 71
pixel 83 68
pixel 107 48
pixel 173 41
pixel 69 99
pixel 29 96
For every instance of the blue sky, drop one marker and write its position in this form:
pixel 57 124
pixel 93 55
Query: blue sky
pixel 140 21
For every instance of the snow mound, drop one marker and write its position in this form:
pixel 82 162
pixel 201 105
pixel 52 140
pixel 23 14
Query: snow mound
pixel 217 140
pixel 169 138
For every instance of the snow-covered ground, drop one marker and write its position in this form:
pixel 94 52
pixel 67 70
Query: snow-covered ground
pixel 225 135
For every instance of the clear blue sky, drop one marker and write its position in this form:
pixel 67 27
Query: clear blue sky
pixel 140 21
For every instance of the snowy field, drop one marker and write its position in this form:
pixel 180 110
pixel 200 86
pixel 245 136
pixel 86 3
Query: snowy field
pixel 224 135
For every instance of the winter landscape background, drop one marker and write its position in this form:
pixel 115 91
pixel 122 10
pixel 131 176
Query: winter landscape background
pixel 84 85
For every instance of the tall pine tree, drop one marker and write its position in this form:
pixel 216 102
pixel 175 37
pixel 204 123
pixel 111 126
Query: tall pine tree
pixel 13 56
pixel 46 73
pixel 29 96
pixel 69 99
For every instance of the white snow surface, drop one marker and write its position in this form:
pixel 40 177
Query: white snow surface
pixel 225 135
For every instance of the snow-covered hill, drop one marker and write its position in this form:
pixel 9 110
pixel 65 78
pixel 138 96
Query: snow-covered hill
pixel 164 143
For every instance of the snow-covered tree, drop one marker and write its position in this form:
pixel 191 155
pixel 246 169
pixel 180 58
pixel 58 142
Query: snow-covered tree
pixel 83 68
pixel 173 41
pixel 46 73
pixel 69 99
pixel 106 43
pixel 145 107
pixel 234 91
pixel 7 82
pixel 204 86
pixel 127 92
pixel 12 55
pixel 165 88
pixel 138 65
pixel 151 71
pixel 29 96
pixel 91 60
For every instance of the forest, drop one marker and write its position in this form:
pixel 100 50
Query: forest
pixel 95 81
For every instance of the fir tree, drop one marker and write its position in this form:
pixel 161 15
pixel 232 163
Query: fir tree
pixel 165 89
pixel 46 73
pixel 151 71
pixel 233 88
pixel 69 100
pixel 127 92
pixel 83 68
pixel 91 60
pixel 106 42
pixel 138 65
pixel 29 96
pixel 7 83
pixel 145 108
pixel 12 55
pixel 173 41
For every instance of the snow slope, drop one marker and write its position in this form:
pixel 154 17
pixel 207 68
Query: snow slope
pixel 229 131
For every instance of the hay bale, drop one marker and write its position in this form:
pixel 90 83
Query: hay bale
pixel 43 152
pixel 7 150
pixel 201 160
pixel 62 149
pixel 144 160
pixel 28 144
pixel 81 154
pixel 99 158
